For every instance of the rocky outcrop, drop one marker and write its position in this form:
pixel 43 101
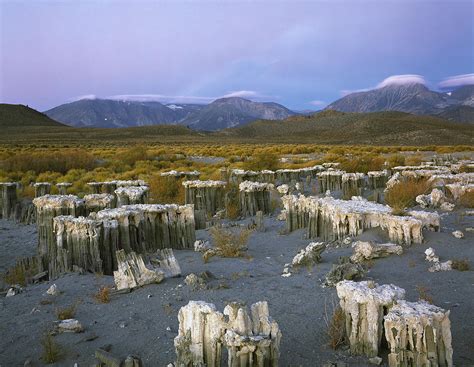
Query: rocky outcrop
pixel 63 187
pixel 251 340
pixel 84 242
pixel 418 334
pixel 364 251
pixel 132 272
pixel 377 179
pixel 364 305
pixel 148 227
pixel 310 255
pixel 129 195
pixel 42 188
pixel 330 180
pixel 254 197
pixel 334 219
pixel 353 184
pixel 98 202
pixel 208 197
pixel 429 220
pixel 8 198
pixel 48 207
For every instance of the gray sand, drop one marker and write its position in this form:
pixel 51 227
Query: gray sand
pixel 136 323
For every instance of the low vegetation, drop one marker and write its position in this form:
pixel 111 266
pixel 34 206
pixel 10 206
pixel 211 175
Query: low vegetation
pixel 467 199
pixel 228 243
pixel 51 350
pixel 66 313
pixel 403 194
pixel 334 319
pixel 424 293
pixel 461 264
pixel 103 295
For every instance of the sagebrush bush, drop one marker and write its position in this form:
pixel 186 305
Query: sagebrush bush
pixel 263 160
pixel 461 264
pixel 103 295
pixel 166 190
pixel 403 194
pixel 44 161
pixel 335 325
pixel 66 312
pixel 230 243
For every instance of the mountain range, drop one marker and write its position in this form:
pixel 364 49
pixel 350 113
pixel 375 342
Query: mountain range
pixel 414 98
pixel 220 114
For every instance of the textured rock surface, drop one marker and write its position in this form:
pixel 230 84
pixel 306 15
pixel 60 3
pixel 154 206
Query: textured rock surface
pixel 129 195
pixel 97 202
pixel 368 250
pixel 42 188
pixel 251 340
pixel 429 220
pixel 309 255
pixel 364 305
pixel 418 334
pixel 334 219
pixel 8 198
pixel 87 243
pixel 148 227
pixel 254 197
pixel 48 207
pixel 132 272
pixel 208 197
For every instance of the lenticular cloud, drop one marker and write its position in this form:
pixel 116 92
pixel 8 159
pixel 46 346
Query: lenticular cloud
pixel 457 81
pixel 402 79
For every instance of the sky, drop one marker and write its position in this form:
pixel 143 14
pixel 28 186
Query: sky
pixel 302 54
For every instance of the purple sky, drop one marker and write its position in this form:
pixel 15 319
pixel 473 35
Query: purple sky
pixel 300 54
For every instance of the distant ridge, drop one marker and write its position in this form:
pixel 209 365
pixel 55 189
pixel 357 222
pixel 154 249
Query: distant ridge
pixel 234 111
pixel 413 98
pixel 17 115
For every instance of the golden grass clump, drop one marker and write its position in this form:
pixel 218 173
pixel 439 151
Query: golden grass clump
pixel 263 160
pixel 166 190
pixel 232 203
pixel 51 349
pixel 66 312
pixel 228 243
pixel 403 194
pixel 335 325
pixel 103 295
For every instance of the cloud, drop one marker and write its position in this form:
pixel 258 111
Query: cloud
pixel 186 99
pixel 318 103
pixel 402 79
pixel 85 96
pixel 457 81
pixel 160 98
pixel 391 80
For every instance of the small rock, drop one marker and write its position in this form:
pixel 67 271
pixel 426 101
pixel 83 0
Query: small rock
pixel 375 360
pixel 14 290
pixel 286 275
pixel 458 234
pixel 28 363
pixel 469 229
pixel 122 325
pixel 168 328
pixel 70 326
pixel 149 296
pixel 53 290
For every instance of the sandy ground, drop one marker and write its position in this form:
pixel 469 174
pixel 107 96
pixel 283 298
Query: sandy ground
pixel 145 323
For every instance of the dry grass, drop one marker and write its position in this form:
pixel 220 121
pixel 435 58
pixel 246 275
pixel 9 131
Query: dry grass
pixel 15 275
pixel 335 324
pixel 165 190
pixel 461 264
pixel 66 312
pixel 467 199
pixel 424 294
pixel 51 350
pixel 229 243
pixel 103 295
pixel 403 194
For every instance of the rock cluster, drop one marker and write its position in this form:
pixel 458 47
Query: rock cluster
pixel 251 340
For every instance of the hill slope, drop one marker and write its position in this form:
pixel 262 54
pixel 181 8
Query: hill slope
pixel 377 128
pixel 234 111
pixel 12 116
